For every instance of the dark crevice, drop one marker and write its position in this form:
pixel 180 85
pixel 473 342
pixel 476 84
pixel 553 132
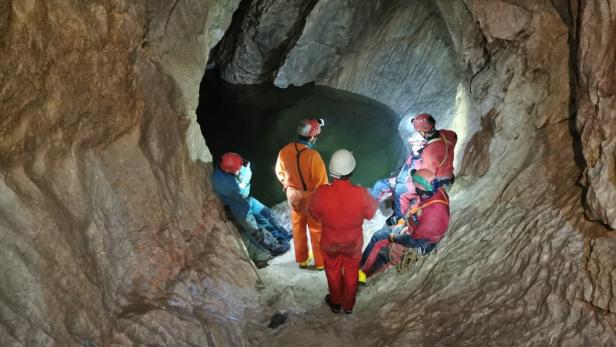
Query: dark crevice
pixel 223 52
pixel 278 54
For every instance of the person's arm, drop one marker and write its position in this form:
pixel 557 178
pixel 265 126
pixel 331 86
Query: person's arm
pixel 318 171
pixel 280 170
pixel 243 179
pixel 434 222
pixel 370 205
pixel 314 205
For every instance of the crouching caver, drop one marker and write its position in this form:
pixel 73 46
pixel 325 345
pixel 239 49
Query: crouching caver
pixel 263 237
pixel 425 226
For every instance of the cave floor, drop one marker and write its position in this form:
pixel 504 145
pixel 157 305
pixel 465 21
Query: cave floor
pixel 300 295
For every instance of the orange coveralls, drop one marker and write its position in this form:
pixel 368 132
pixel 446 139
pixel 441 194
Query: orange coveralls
pixel 293 157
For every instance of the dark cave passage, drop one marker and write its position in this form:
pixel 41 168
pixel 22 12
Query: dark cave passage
pixel 257 120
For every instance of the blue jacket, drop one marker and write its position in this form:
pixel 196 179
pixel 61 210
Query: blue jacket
pixel 234 190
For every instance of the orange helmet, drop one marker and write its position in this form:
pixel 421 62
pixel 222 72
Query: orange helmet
pixel 423 122
pixel 310 127
pixel 231 162
pixel 423 179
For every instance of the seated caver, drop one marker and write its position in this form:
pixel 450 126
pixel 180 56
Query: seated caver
pixel 425 225
pixel 430 149
pixel 263 236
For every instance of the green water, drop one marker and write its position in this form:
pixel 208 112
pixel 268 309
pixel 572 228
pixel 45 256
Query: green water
pixel 256 121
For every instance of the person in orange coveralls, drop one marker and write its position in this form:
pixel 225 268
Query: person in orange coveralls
pixel 342 208
pixel 301 170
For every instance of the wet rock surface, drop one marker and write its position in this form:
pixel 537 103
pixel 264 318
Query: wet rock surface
pixel 111 235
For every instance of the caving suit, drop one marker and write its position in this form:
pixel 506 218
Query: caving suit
pixel 437 155
pixel 382 187
pixel 301 170
pixel 258 224
pixel 427 224
pixel 342 207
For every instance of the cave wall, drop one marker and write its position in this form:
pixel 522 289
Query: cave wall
pixel 110 233
pixel 373 48
pixel 111 236
pixel 596 106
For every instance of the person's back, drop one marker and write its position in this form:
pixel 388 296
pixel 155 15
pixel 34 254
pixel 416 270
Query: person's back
pixel 342 208
pixel 294 156
pixel 300 170
pixel 229 191
pixel 438 154
pixel 433 220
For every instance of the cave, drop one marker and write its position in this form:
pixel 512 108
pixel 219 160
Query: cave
pixel 112 234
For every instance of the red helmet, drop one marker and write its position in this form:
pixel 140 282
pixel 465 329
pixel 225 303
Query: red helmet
pixel 231 162
pixel 423 179
pixel 310 127
pixel 423 122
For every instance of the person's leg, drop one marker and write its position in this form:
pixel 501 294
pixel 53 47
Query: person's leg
pixel 300 239
pixel 376 237
pixel 379 241
pixel 381 262
pixel 262 237
pixel 333 272
pixel 380 189
pixel 265 219
pixel 315 240
pixel 350 268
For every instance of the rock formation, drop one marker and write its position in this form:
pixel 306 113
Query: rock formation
pixel 111 235
pixel 396 52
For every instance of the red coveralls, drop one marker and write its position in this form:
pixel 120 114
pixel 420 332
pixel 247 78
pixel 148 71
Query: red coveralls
pixel 437 156
pixel 428 223
pixel 342 208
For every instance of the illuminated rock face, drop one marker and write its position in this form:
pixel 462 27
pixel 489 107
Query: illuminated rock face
pixel 597 107
pixel 396 52
pixel 109 231
pixel 111 236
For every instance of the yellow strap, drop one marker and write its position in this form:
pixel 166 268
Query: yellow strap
pixel 447 143
pixel 445 201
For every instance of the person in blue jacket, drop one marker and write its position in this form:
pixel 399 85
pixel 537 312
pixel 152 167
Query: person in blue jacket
pixel 263 236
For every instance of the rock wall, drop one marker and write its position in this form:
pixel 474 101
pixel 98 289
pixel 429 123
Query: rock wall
pixel 521 264
pixel 110 233
pixel 111 236
pixel 596 106
pixel 396 52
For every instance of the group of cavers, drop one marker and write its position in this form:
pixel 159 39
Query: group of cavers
pixel 332 213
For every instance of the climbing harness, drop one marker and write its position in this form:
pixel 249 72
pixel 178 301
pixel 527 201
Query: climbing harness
pixel 404 257
pixel 298 153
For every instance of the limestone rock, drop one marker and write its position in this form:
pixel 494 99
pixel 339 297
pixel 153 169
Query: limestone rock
pixel 102 211
pixel 596 99
pixel 400 40
pixel 501 19
pixel 261 38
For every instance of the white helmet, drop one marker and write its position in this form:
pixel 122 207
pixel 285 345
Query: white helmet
pixel 341 164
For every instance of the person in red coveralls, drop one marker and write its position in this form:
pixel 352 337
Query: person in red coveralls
pixel 342 207
pixel 425 226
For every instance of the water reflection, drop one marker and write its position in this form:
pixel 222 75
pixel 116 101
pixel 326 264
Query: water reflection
pixel 258 120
